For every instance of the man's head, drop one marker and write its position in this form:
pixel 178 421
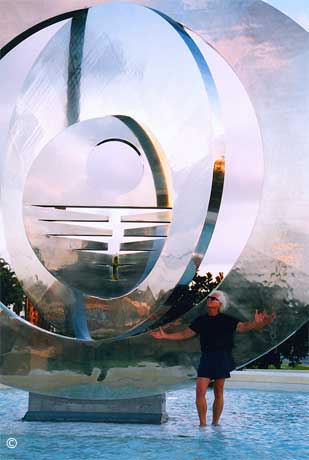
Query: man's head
pixel 216 302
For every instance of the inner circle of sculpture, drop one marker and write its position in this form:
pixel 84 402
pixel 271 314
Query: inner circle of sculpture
pixel 95 244
pixel 165 101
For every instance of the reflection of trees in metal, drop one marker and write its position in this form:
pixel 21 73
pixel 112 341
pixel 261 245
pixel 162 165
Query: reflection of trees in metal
pixel 184 298
pixel 11 292
pixel 98 310
pixel 294 350
pixel 12 295
pixel 251 295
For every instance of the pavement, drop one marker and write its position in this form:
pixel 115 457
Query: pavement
pixel 269 379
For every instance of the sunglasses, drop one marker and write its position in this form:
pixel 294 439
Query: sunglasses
pixel 212 298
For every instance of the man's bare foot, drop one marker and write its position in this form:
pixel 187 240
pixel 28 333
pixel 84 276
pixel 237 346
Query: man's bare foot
pixel 202 425
pixel 215 424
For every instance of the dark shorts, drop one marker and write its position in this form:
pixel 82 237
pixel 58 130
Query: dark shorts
pixel 216 365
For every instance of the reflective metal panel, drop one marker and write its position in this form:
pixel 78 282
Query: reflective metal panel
pixel 169 98
pixel 119 79
pixel 36 360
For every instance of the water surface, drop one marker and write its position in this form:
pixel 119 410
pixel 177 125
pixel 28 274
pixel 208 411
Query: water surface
pixel 257 425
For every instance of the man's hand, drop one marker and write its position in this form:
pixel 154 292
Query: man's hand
pixel 181 335
pixel 260 320
pixel 160 334
pixel 258 317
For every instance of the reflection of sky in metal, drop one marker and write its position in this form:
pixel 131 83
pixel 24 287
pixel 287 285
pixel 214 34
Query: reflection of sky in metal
pixel 114 160
pixel 167 90
pixel 244 167
pixel 29 48
pixel 13 70
pixel 16 65
pixel 298 10
pixel 63 177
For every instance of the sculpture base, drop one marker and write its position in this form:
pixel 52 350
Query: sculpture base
pixel 43 408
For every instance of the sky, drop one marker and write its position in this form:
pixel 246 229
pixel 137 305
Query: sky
pixel 298 10
pixel 241 133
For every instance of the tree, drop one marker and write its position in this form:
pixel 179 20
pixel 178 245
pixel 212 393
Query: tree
pixel 11 292
pixel 201 286
pixel 294 349
pixel 184 297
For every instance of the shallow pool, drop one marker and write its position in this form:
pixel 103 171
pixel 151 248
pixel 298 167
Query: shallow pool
pixel 255 425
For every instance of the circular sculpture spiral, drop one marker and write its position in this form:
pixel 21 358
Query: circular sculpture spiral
pixel 112 185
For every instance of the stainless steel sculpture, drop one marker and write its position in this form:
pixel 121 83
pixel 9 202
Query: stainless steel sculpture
pixel 129 81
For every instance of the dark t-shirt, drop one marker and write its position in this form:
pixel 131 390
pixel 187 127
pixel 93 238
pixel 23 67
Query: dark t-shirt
pixel 216 332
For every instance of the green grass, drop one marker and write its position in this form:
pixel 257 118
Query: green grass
pixel 298 367
pixel 284 367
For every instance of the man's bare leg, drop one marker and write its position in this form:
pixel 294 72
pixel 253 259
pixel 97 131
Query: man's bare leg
pixel 217 407
pixel 201 404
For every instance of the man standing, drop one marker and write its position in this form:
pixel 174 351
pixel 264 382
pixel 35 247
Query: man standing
pixel 216 332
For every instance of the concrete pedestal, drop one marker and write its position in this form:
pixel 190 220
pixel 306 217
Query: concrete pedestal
pixel 138 410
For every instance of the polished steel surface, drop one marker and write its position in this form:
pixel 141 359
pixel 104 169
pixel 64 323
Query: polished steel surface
pixel 169 91
pixel 120 79
pixel 100 256
pixel 72 368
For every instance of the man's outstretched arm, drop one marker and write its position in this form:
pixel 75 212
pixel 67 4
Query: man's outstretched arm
pixel 181 335
pixel 260 320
